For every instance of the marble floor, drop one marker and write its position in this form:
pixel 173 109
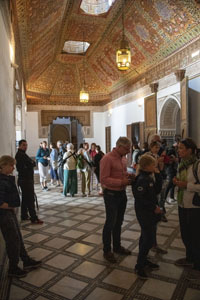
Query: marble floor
pixel 70 245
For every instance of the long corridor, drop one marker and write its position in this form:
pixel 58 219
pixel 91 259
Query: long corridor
pixel 70 245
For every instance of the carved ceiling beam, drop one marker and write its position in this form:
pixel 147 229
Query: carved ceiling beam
pixel 180 74
pixel 154 87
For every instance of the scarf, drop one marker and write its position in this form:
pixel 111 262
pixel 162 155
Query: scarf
pixel 182 175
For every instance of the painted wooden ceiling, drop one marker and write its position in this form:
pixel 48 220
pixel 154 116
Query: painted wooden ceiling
pixel 155 29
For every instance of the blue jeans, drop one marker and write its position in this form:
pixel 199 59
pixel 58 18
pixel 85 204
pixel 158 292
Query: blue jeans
pixel 115 205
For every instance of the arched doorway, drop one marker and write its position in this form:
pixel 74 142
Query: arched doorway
pixel 60 132
pixel 66 129
pixel 170 119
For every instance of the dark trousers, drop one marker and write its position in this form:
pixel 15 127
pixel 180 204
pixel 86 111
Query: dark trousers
pixel 115 205
pixel 28 199
pixel 170 187
pixel 13 238
pixel 146 242
pixel 61 174
pixel 189 219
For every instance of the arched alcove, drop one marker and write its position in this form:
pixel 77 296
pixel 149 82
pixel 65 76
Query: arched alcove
pixel 170 119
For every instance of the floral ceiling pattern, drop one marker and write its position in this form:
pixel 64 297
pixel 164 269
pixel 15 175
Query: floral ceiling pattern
pixel 155 29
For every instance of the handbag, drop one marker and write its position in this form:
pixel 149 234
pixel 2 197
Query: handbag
pixel 196 197
pixel 54 165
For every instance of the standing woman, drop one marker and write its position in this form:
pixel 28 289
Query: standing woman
pixel 189 214
pixel 54 164
pixel 43 166
pixel 70 173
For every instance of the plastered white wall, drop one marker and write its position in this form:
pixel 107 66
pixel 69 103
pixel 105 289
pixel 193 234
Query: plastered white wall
pixel 7 115
pixel 119 117
pixel 98 130
pixel 31 121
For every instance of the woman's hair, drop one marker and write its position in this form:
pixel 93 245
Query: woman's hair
pixel 98 148
pixel 189 144
pixel 70 146
pixel 53 145
pixel 145 161
pixel 6 160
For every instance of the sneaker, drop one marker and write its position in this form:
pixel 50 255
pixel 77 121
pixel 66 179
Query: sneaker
pixel 122 251
pixel 46 188
pixel 151 265
pixel 141 274
pixel 31 264
pixel 159 250
pixel 170 201
pixel 183 262
pixel 16 272
pixel 37 222
pixel 109 256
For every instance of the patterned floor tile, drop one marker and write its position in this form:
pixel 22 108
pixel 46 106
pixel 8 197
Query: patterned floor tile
pixel 121 279
pixel 69 243
pixel 38 277
pixel 89 269
pixel 68 287
pixel 157 288
pixel 60 261
pixel 80 249
pixel 99 294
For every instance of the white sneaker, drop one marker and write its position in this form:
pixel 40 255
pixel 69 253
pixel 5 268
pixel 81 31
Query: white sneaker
pixel 170 201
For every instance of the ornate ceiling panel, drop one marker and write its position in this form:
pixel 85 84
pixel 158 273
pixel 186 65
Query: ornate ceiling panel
pixel 155 29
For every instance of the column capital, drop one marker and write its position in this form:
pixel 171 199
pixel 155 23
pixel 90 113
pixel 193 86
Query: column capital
pixel 154 87
pixel 180 74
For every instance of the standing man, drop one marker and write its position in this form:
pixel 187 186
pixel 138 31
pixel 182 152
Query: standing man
pixel 25 167
pixel 114 179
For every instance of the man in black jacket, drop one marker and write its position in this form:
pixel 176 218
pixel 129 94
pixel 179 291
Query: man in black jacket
pixel 25 167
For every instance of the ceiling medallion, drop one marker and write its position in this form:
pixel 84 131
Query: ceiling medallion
pixel 123 55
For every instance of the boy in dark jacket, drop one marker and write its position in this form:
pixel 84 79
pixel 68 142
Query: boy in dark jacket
pixel 146 187
pixel 9 200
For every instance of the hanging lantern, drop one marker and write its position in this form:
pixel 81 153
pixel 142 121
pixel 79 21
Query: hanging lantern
pixel 123 55
pixel 84 96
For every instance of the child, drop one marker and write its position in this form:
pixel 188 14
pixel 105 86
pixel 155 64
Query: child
pixel 9 199
pixel 146 187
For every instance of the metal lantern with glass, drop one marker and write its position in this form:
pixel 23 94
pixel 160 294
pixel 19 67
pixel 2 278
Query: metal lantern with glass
pixel 123 55
pixel 84 95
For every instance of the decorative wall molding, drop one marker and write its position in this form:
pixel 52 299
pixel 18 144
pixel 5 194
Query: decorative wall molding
pixel 47 116
pixel 154 87
pixel 180 74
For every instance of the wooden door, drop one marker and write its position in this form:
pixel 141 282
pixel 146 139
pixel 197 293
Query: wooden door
pixel 129 135
pixel 184 108
pixel 150 110
pixel 108 139
pixel 74 134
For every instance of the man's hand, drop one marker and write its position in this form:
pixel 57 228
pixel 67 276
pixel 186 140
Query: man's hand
pixel 157 210
pixel 126 181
